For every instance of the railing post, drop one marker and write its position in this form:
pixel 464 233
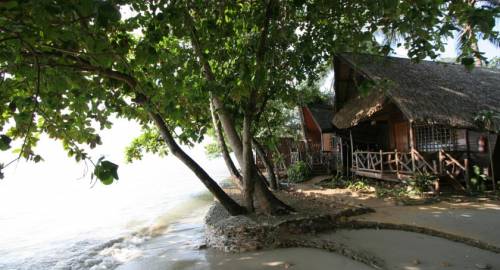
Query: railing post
pixel 352 152
pixel 412 161
pixel 412 147
pixel 440 157
pixel 397 161
pixel 381 162
pixel 467 174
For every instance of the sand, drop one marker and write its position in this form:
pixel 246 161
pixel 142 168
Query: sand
pixel 293 258
pixel 413 251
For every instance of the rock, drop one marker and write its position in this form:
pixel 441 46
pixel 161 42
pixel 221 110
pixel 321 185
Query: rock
pixel 202 246
pixel 416 262
pixel 288 265
pixel 483 266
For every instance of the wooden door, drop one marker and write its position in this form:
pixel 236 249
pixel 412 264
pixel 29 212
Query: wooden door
pixel 401 136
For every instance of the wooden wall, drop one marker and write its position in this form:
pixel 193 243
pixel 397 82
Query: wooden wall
pixel 327 143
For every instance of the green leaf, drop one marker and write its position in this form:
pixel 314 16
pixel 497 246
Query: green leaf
pixel 106 171
pixel 107 13
pixel 4 142
pixel 468 62
pixel 9 4
pixel 37 158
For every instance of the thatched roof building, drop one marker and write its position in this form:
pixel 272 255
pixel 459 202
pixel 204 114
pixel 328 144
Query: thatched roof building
pixel 322 115
pixel 426 92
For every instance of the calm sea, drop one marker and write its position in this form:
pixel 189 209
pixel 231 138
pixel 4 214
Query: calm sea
pixel 51 217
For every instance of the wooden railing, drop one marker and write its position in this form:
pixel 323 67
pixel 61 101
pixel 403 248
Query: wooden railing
pixel 391 162
pixel 453 168
pixel 315 159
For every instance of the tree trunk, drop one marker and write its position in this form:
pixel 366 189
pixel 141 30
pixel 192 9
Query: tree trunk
pixel 267 163
pixel 229 129
pixel 274 205
pixel 478 62
pixel 229 204
pixel 225 152
pixel 248 164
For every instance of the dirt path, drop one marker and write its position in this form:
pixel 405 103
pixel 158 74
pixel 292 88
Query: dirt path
pixel 412 251
pixel 479 220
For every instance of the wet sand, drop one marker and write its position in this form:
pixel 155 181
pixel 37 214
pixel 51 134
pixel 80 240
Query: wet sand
pixel 414 251
pixel 293 258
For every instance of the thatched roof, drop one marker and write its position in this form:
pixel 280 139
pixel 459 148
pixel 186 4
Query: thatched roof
pixel 426 92
pixel 322 114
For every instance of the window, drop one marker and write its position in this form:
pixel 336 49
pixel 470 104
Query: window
pixel 432 138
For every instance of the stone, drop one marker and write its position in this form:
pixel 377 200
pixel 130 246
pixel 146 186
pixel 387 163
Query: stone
pixel 201 246
pixel 416 262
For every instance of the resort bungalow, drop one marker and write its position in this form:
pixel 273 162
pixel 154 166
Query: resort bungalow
pixel 317 147
pixel 399 118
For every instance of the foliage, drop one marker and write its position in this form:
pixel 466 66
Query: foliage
pixel 391 192
pixel 298 172
pixel 478 180
pixel 494 62
pixel 213 150
pixel 382 190
pixel 148 142
pixel 106 171
pixel 488 119
pixel 474 20
pixel 355 183
pixel 421 182
pixel 68 68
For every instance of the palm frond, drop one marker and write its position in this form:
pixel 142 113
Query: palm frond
pixel 495 40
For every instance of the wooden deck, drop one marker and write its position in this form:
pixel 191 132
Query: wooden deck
pixel 393 177
pixel 400 166
pixel 391 163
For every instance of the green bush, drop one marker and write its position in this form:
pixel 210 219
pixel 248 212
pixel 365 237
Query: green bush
pixel 478 180
pixel 359 185
pixel 298 172
pixel 394 192
pixel 421 182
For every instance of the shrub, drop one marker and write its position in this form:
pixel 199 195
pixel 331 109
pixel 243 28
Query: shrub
pixel 359 184
pixel 298 172
pixel 478 180
pixel 421 182
pixel 394 192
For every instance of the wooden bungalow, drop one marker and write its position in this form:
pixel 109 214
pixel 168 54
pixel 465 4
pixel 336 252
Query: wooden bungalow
pixel 401 118
pixel 317 149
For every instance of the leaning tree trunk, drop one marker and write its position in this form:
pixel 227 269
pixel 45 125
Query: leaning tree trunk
pixel 225 151
pixel 267 163
pixel 229 204
pixel 270 203
pixel 267 201
pixel 248 164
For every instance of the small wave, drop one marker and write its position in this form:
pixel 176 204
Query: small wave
pixel 174 226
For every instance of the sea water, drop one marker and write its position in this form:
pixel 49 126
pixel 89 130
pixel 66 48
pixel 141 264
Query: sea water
pixel 53 217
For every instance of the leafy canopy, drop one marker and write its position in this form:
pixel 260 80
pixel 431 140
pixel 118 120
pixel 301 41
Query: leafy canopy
pixel 68 67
